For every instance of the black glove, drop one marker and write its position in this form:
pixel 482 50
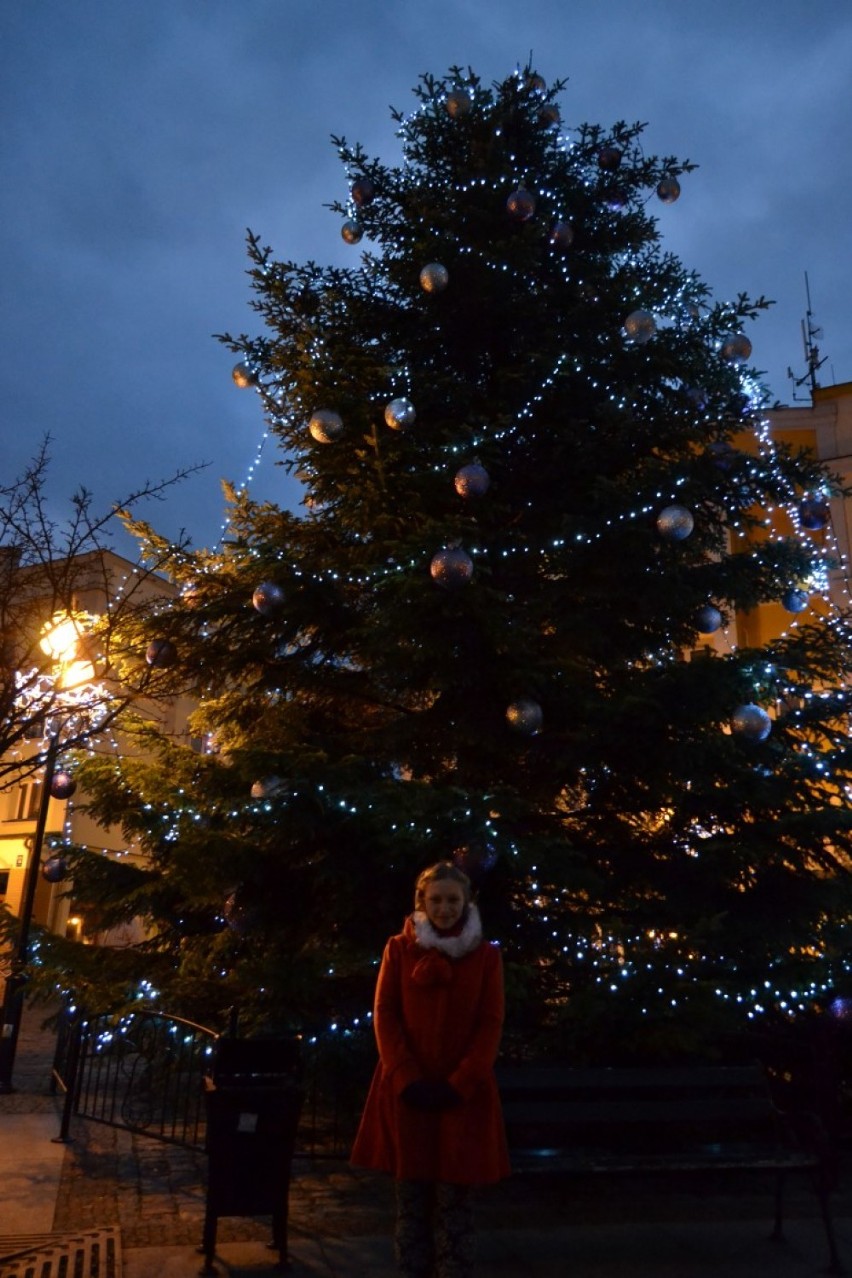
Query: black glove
pixel 426 1095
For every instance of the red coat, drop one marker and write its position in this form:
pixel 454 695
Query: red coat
pixel 436 1018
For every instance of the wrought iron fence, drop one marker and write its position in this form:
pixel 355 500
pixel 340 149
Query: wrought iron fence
pixel 144 1071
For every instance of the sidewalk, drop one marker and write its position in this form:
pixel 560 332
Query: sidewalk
pixel 145 1200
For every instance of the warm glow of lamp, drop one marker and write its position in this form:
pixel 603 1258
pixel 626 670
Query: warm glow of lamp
pixel 63 639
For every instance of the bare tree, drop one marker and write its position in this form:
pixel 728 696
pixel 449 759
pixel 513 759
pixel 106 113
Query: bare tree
pixel 53 567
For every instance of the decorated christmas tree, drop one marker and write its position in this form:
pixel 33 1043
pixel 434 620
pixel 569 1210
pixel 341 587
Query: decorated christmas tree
pixel 539 489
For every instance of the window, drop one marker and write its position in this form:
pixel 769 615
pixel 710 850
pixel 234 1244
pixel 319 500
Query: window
pixel 28 799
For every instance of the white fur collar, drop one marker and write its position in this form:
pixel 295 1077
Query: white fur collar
pixel 453 946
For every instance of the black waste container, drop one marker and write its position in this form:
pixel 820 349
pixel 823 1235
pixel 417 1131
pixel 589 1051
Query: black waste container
pixel 253 1098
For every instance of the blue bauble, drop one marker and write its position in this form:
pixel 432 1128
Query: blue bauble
pixel 751 722
pixel 268 597
pixel 708 619
pixel 675 523
pixel 451 568
pixel 525 716
pixel 794 600
pixel 813 513
pixel 472 480
pixel 160 653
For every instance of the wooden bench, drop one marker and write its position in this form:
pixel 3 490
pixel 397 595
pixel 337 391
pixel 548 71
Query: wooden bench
pixel 652 1120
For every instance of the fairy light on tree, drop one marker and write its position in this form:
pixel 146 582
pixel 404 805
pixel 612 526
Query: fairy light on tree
pixel 510 316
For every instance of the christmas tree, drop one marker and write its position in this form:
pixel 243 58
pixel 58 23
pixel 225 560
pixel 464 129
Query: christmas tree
pixel 538 490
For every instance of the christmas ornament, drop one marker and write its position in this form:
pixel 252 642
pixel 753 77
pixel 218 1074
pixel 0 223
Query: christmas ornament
pixel 63 785
pixel 434 278
pixel 562 235
pixel 675 523
pixel 723 455
pixel 472 480
pixel 161 653
pixel 458 103
pixel 267 598
pixel 326 426
pixel 708 619
pixel 351 232
pixel 536 83
pixel 668 190
pixel 55 869
pixel 521 205
pixel 549 115
pixel 239 917
pixel 794 600
pixel 243 376
pixel 814 513
pixel 475 860
pixel 400 413
pixel 640 327
pixel 697 396
pixel 524 716
pixel 451 568
pixel 736 349
pixel 615 201
pixel 609 158
pixel 363 192
pixel 751 722
pixel 267 787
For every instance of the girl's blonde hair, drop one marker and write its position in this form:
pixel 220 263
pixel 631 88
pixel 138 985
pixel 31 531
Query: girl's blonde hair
pixel 440 870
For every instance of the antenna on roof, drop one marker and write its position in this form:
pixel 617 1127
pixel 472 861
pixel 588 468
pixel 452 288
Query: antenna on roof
pixel 813 363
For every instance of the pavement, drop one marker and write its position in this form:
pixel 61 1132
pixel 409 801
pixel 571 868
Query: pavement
pixel 135 1207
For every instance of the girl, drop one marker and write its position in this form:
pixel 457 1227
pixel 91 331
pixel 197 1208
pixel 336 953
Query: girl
pixel 432 1117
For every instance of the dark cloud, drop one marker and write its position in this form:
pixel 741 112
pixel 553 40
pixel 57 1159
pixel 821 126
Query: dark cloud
pixel 139 141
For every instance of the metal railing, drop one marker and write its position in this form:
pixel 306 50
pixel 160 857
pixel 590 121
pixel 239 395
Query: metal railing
pixel 144 1072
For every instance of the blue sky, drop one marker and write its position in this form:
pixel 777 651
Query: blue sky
pixel 140 139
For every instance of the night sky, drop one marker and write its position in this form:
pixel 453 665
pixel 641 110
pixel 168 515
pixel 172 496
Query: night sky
pixel 141 137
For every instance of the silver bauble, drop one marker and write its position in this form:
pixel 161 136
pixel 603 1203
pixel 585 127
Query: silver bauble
pixel 434 277
pixel 451 568
pixel 751 722
pixel 794 600
pixel 640 327
pixel 736 349
pixel 267 598
pixel 562 235
pixel 400 413
pixel 472 480
pixel 668 190
pixel 160 653
pixel 326 426
pixel 708 619
pixel 351 232
pixel 675 523
pixel 525 716
pixel 458 103
pixel 243 376
pixel 521 205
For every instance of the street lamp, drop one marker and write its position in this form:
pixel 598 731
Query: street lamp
pixel 62 641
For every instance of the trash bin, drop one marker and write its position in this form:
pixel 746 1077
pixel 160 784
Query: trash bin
pixel 253 1098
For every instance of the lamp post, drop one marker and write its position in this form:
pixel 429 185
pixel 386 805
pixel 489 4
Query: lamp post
pixel 61 641
pixel 13 996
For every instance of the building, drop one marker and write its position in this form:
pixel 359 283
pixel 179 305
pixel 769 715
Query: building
pixel 101 580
